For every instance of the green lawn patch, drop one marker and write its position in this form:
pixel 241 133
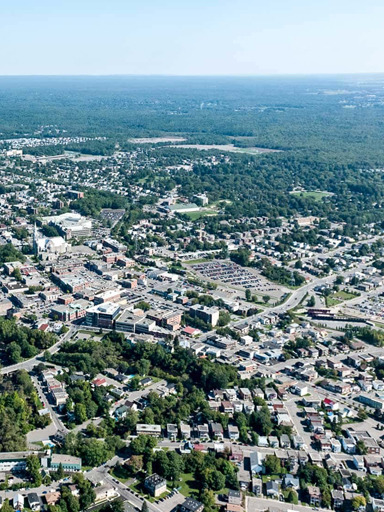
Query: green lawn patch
pixel 343 295
pixel 331 302
pixel 199 215
pixel 316 195
pixel 187 484
pixel 121 473
pixel 268 478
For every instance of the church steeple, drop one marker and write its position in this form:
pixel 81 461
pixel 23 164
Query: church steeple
pixel 35 238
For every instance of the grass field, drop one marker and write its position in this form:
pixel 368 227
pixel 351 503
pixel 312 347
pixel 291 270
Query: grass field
pixel 316 195
pixel 187 484
pixel 194 262
pixel 330 301
pixel 343 295
pixel 199 215
pixel 121 474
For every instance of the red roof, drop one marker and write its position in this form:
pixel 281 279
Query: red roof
pixel 99 382
pixel 43 327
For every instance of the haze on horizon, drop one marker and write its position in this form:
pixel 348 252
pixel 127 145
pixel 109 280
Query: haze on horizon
pixel 191 37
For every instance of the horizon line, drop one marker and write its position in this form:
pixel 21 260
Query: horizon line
pixel 174 75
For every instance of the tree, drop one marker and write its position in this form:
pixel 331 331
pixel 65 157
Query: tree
pixel 33 468
pixel 13 352
pixel 261 421
pixel 80 413
pixel 361 448
pixel 358 501
pixel 326 498
pixel 7 507
pixel 266 298
pixel 17 274
pixel 145 507
pixel 272 465
pixel 292 497
pixel 378 484
pixel 248 294
pixel 216 480
pixel 362 415
pixel 87 494
pixel 145 306
pixel 311 302
pixel 143 366
pixel 136 463
pixel 175 467
pixel 60 472
pixel 224 318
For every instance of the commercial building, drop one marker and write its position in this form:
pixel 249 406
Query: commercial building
pixel 68 462
pixel 208 315
pixel 376 403
pixel 70 225
pixel 14 461
pixel 103 315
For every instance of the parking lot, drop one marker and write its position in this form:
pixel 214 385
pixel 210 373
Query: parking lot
pixel 171 503
pixel 232 274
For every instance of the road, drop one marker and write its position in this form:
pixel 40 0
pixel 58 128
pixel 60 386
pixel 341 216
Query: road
pixel 55 417
pixel 124 491
pixel 261 504
pixel 30 363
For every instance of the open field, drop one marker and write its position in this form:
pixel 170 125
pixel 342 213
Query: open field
pixel 156 140
pixel 200 214
pixel 231 148
pixel 316 195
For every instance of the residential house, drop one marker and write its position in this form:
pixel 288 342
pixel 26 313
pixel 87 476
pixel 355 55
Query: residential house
pixel 272 489
pixel 314 496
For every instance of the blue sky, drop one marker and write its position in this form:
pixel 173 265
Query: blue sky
pixel 191 37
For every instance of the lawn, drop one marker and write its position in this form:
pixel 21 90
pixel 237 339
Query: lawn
pixel 267 478
pixel 121 473
pixel 331 302
pixel 187 484
pixel 194 262
pixel 198 215
pixel 316 195
pixel 343 295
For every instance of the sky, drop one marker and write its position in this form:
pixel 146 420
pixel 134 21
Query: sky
pixel 190 37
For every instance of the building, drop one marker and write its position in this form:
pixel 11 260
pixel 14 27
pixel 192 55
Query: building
pixel 185 431
pixel 208 315
pixel 314 496
pixel 191 505
pixel 376 403
pixel 172 431
pixel 18 502
pixel 47 248
pixel 256 460
pixel 257 486
pixel 34 502
pixel 272 489
pixel 155 485
pixel 68 462
pixel 234 497
pixel 70 225
pixel 14 461
pixel 103 315
pixel 233 432
pixel 148 430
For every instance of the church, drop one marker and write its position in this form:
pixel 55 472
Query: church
pixel 48 248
